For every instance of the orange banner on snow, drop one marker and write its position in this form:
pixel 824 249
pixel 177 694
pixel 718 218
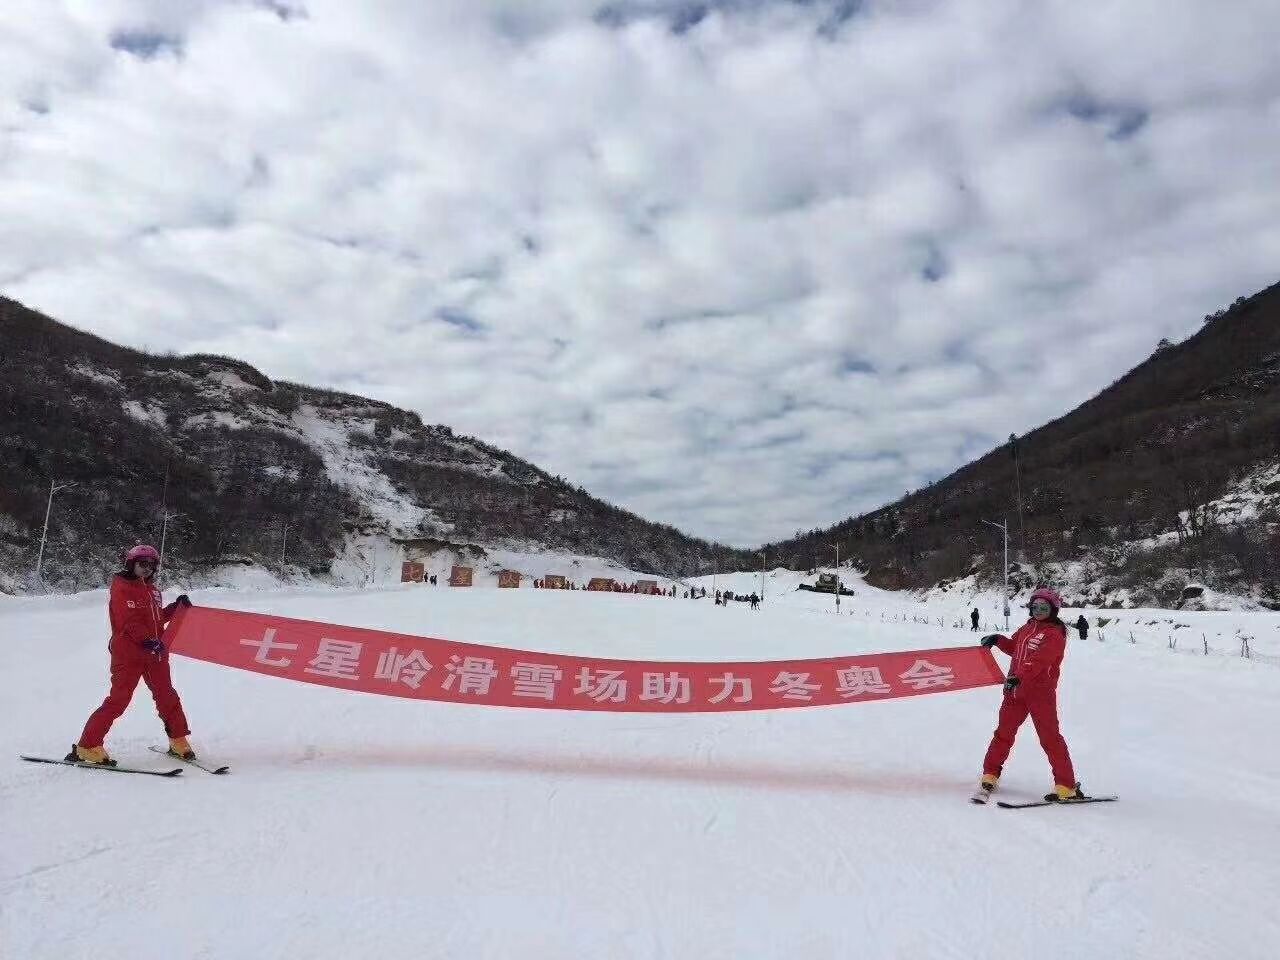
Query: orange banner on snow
pixel 427 668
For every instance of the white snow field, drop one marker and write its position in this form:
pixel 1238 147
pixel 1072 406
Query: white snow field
pixel 360 826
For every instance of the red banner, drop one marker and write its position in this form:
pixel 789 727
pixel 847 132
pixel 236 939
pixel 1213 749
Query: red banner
pixel 426 668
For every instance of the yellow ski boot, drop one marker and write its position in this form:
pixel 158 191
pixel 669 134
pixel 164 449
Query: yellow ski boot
pixel 986 787
pixel 1063 794
pixel 94 755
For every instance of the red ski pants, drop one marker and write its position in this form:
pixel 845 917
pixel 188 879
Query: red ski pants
pixel 1042 705
pixel 125 674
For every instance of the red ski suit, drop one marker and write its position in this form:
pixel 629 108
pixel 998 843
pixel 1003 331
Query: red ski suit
pixel 136 616
pixel 1037 648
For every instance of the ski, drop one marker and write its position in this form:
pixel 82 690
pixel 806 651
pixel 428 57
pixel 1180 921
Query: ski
pixel 98 766
pixel 206 767
pixel 1053 803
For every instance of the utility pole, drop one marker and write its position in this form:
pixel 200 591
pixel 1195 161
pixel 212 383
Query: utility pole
pixel 836 548
pixel 1003 527
pixel 164 531
pixel 165 515
pixel 762 558
pixel 53 488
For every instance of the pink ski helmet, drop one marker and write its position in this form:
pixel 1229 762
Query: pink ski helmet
pixel 1050 597
pixel 143 551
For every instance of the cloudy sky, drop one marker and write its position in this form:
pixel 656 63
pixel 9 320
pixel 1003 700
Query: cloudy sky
pixel 745 266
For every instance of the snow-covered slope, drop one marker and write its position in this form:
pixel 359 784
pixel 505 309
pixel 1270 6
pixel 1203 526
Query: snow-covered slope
pixel 1256 495
pixel 361 826
pixel 947 608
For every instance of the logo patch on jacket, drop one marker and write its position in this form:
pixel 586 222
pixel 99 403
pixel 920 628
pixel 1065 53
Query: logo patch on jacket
pixel 131 605
pixel 1034 642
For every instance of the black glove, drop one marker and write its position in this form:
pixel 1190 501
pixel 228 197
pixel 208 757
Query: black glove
pixel 1011 684
pixel 154 647
pixel 182 601
pixel 990 640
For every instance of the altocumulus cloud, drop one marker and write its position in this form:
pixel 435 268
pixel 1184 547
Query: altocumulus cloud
pixel 744 267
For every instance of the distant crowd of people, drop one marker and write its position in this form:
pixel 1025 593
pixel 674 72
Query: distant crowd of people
pixel 723 598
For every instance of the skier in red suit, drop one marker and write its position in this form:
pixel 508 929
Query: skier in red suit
pixel 1031 689
pixel 137 653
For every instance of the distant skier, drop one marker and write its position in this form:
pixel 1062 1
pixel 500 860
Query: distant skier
pixel 973 618
pixel 755 602
pixel 137 653
pixel 1036 649
pixel 1083 626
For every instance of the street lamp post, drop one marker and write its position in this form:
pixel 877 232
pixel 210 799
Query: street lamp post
pixel 53 488
pixel 1003 527
pixel 836 548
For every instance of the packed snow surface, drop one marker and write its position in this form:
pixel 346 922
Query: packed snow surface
pixel 362 826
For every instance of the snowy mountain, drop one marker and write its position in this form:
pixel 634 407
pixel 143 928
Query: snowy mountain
pixel 291 481
pixel 354 825
pixel 1168 477
pixel 1171 475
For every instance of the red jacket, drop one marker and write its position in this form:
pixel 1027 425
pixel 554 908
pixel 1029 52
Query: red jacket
pixel 1037 648
pixel 136 614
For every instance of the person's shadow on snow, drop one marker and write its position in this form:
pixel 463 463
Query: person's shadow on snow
pixel 760 776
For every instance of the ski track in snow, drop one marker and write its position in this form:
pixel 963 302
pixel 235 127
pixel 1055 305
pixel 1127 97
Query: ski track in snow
pixel 355 825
